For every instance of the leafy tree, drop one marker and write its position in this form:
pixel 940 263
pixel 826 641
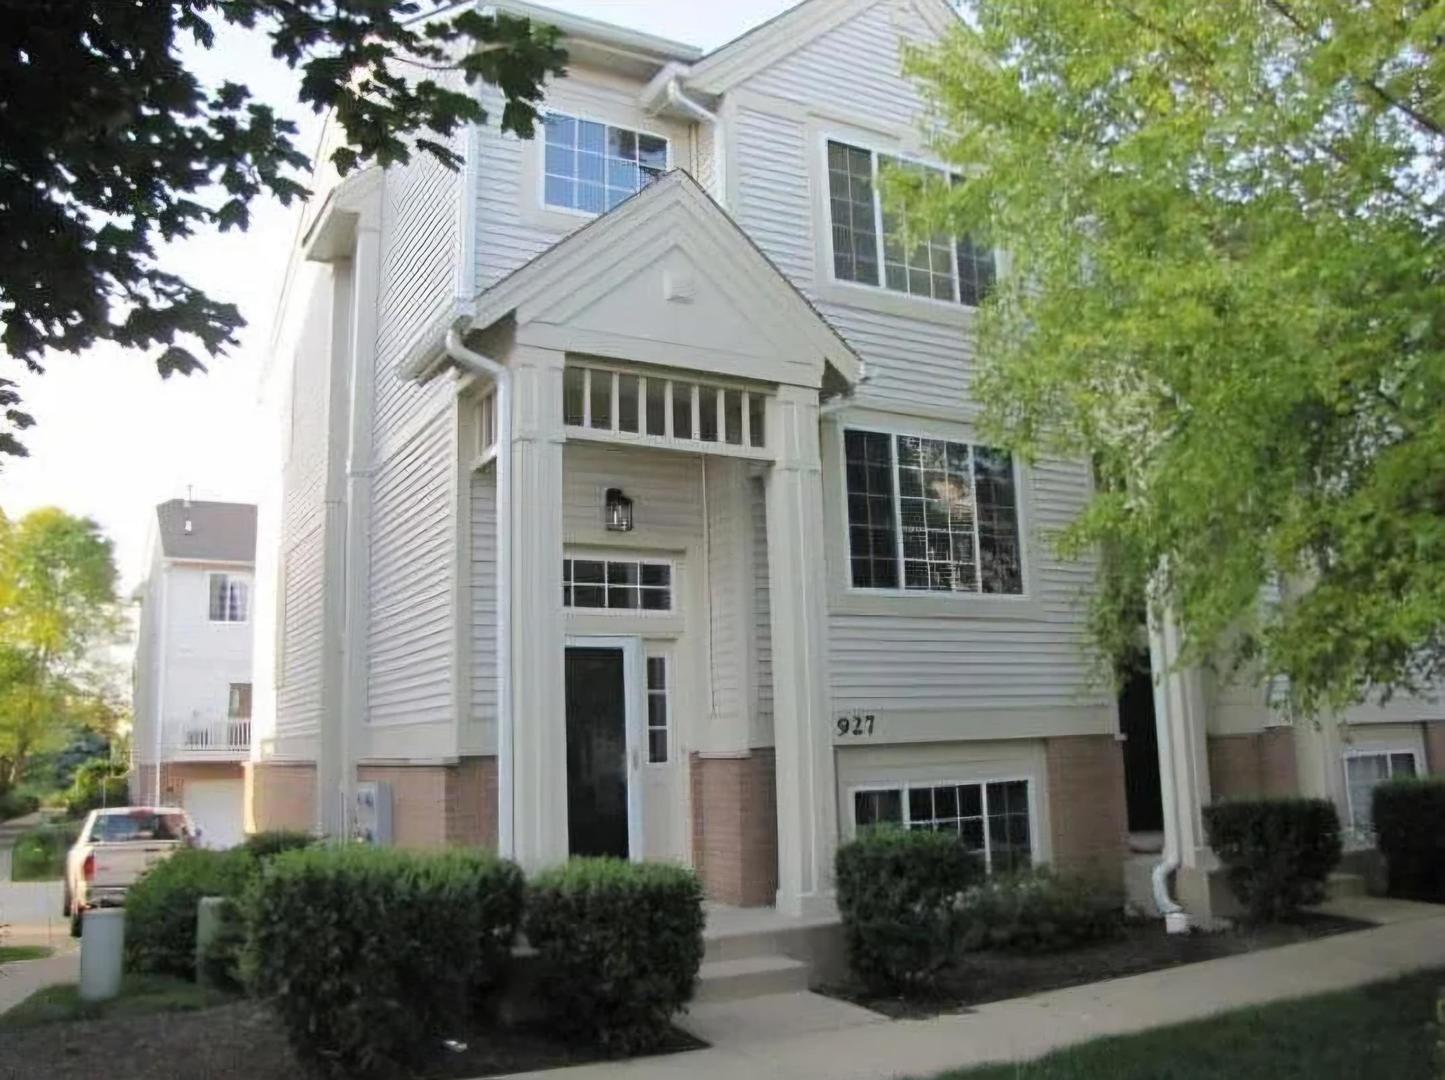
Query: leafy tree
pixel 57 607
pixel 108 144
pixel 1225 228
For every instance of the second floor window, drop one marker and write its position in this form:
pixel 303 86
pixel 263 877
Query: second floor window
pixel 869 246
pixel 931 515
pixel 229 598
pixel 592 167
pixel 238 704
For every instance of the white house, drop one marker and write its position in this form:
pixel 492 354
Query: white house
pixel 630 499
pixel 192 675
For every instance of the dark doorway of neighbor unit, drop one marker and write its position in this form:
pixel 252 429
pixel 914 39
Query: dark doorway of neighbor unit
pixel 597 752
pixel 1141 751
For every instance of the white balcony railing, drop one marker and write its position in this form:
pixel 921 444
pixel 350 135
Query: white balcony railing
pixel 213 736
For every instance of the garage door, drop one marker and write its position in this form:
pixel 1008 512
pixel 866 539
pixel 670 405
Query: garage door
pixel 216 807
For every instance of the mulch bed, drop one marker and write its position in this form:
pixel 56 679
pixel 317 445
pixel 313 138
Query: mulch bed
pixel 987 976
pixel 243 1042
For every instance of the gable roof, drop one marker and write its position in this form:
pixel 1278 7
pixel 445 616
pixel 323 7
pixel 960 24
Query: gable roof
pixel 219 531
pixel 673 224
pixel 767 43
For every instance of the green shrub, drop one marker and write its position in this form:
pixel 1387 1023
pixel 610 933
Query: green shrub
pixel 14 804
pixel 620 945
pixel 1038 911
pixel 1409 818
pixel 898 894
pixel 160 909
pixel 370 955
pixel 1277 853
pixel 264 845
pixel 39 855
pixel 96 784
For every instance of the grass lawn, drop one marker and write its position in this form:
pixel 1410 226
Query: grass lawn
pixel 140 995
pixel 1384 1030
pixel 9 954
pixel 39 854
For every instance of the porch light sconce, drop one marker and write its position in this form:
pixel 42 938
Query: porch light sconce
pixel 619 511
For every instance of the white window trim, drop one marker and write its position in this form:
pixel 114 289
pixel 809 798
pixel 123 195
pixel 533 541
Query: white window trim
pixel 229 578
pixel 1378 750
pixel 904 786
pixel 1023 595
pixel 875 148
pixel 648 727
pixel 671 611
pixel 540 154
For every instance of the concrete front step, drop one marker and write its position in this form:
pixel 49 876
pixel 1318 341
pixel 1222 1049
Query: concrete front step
pixel 749 976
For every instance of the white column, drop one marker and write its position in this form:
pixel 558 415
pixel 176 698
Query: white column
pixel 539 746
pixel 1180 716
pixel 807 814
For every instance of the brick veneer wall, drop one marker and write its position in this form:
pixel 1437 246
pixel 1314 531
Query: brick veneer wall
pixel 735 827
pixel 434 806
pixel 280 796
pixel 1259 765
pixel 1088 820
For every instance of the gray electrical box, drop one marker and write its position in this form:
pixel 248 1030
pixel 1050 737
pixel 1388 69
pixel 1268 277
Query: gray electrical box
pixel 372 813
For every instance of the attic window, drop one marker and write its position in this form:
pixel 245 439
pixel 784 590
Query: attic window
pixel 627 406
pixel 591 167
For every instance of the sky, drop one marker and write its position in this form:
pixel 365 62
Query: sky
pixel 113 439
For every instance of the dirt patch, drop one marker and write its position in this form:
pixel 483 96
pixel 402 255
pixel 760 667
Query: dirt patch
pixel 243 1042
pixel 987 976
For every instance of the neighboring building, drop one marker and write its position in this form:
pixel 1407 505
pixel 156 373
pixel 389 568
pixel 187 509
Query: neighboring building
pixel 192 691
pixel 629 496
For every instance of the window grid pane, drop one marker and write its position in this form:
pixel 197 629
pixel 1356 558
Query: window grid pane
pixel 657 710
pixel 616 584
pixel 992 818
pixel 923 267
pixel 851 203
pixel 872 539
pixel 936 512
pixel 592 167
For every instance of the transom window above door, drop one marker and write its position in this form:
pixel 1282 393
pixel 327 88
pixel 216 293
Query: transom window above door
pixel 931 515
pixel 869 243
pixel 617 584
pixel 591 167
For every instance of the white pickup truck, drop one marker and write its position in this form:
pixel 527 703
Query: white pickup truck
pixel 115 847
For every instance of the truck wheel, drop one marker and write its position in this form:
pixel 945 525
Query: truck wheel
pixel 75 915
pixel 65 904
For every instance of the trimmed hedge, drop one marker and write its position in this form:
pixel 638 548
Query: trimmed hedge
pixel 1277 853
pixel 264 845
pixel 620 945
pixel 160 908
pixel 898 893
pixel 370 955
pixel 1409 816
pixel 1039 911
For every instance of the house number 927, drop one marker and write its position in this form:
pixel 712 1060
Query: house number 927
pixel 856 724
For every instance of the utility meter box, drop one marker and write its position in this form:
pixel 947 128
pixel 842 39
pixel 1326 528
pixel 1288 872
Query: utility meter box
pixel 372 813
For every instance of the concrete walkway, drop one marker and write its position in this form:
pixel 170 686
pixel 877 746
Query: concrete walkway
pixel 806 1037
pixel 30 911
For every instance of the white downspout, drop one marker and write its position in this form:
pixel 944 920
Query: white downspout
pixel 501 376
pixel 161 684
pixel 719 142
pixel 1176 919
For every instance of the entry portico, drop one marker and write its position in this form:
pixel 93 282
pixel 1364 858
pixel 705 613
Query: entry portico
pixel 657 349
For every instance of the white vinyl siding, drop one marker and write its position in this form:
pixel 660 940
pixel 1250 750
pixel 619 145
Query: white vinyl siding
pixel 411 630
pixel 484 597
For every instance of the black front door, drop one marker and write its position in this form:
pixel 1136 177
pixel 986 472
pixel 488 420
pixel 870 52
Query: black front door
pixel 596 752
